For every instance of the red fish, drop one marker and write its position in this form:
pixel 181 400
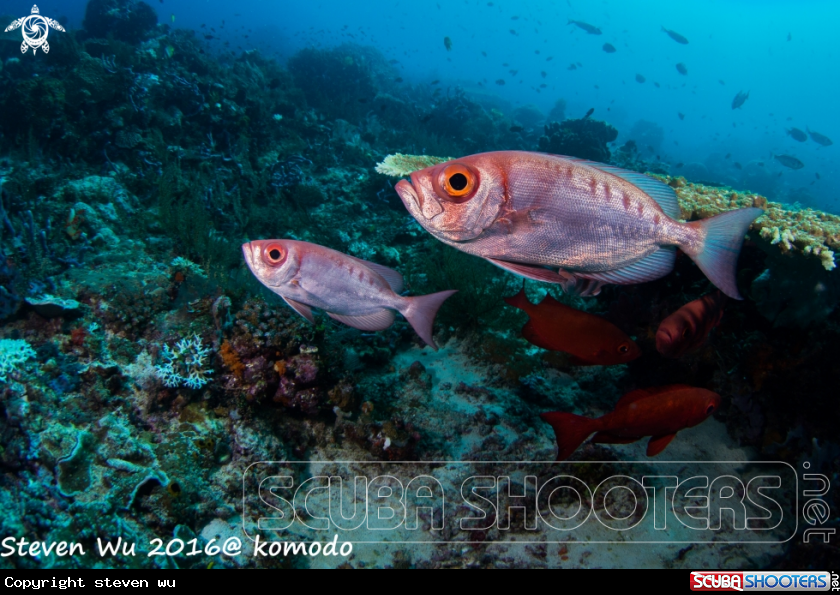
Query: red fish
pixel 658 412
pixel 686 329
pixel 591 339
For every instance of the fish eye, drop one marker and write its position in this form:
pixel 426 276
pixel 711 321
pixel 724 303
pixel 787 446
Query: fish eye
pixel 458 181
pixel 623 348
pixel 709 409
pixel 685 332
pixel 274 254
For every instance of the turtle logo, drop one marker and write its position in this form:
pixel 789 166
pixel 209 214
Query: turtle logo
pixel 35 29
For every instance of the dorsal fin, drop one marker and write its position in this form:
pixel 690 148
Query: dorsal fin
pixel 644 393
pixel 661 192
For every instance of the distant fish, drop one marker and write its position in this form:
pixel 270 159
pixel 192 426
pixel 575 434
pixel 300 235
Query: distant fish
pixel 358 293
pixel 399 79
pixel 681 115
pixel 447 43
pixel 640 78
pixel 591 29
pixel 589 113
pixel 543 73
pixel 797 134
pixel 517 128
pixel 513 32
pixel 500 81
pixel 572 67
pixel 739 99
pixel 789 37
pixel 817 174
pixel 658 412
pixel 655 84
pixel 789 161
pixel 681 68
pixel 686 329
pixel 434 82
pixel 820 139
pixel 728 155
pixel 675 36
pixel 738 165
pixel 609 48
pixel 590 339
pixel 679 165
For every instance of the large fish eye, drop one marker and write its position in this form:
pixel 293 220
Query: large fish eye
pixel 685 332
pixel 710 409
pixel 623 348
pixel 458 182
pixel 274 254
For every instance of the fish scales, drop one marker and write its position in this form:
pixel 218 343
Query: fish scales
pixel 568 221
pixel 582 218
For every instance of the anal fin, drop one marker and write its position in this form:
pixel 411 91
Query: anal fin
pixel 378 321
pixel 658 443
pixel 651 267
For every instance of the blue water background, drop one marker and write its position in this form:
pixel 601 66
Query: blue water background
pixel 733 46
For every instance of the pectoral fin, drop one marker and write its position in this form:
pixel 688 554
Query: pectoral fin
pixel 301 309
pixel 658 443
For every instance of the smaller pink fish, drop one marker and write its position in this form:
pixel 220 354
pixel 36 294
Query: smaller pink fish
pixel 358 293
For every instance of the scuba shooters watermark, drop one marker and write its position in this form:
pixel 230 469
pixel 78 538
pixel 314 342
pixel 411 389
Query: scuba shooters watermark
pixel 721 502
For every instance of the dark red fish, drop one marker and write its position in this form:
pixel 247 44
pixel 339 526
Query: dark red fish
pixel 686 329
pixel 592 340
pixel 658 412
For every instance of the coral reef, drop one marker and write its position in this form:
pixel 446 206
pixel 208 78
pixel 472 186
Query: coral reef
pixel 807 232
pixel 584 138
pixel 143 369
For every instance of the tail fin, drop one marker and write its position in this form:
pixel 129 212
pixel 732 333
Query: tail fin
pixel 570 430
pixel 520 300
pixel 719 254
pixel 420 312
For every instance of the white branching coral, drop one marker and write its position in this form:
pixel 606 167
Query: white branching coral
pixel 399 165
pixel 185 364
pixel 13 352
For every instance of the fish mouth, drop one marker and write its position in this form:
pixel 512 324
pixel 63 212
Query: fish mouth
pixel 250 252
pixel 419 204
pixel 409 196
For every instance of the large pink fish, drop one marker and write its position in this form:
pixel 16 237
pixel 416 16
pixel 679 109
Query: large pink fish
pixel 564 220
pixel 358 293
